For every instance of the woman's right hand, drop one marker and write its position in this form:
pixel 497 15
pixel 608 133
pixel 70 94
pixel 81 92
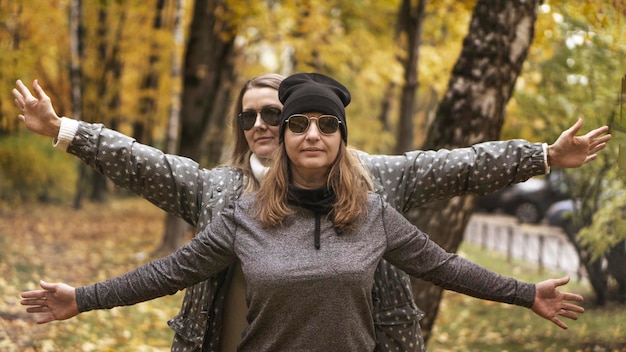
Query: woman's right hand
pixel 57 301
pixel 38 113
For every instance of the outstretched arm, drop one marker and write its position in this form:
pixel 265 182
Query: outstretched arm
pixel 57 301
pixel 411 250
pixel 204 256
pixel 176 184
pixel 419 177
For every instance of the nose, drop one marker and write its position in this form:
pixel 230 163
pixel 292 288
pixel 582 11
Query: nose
pixel 312 131
pixel 259 123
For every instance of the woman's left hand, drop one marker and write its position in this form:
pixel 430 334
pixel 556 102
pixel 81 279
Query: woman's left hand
pixel 551 304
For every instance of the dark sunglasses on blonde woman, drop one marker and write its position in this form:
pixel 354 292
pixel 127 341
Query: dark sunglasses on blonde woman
pixel 327 124
pixel 270 116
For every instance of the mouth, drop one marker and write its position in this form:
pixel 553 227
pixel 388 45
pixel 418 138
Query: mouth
pixel 264 139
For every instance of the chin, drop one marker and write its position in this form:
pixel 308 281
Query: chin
pixel 264 153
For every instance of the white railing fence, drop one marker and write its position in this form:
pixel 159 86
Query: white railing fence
pixel 546 246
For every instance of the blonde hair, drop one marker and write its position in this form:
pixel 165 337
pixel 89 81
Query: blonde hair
pixel 347 177
pixel 240 156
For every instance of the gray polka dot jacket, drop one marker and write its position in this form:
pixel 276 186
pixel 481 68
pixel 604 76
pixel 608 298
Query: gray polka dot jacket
pixel 183 188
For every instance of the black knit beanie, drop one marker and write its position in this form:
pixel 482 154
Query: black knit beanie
pixel 313 92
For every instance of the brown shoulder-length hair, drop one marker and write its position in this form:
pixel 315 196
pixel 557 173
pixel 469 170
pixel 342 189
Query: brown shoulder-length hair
pixel 240 155
pixel 347 177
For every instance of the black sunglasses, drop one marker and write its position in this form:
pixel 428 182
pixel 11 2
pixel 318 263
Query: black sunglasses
pixel 327 124
pixel 247 118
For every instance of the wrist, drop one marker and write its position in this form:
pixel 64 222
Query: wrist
pixel 546 157
pixel 55 127
pixel 67 131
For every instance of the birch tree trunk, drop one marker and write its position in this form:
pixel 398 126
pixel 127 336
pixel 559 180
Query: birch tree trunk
pixel 175 227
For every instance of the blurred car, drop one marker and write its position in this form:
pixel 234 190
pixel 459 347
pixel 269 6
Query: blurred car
pixel 527 201
pixel 560 213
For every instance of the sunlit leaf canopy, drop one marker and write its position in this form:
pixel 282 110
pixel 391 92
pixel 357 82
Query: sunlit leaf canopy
pixel 355 41
pixel 578 48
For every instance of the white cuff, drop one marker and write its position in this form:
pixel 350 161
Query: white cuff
pixel 546 157
pixel 68 130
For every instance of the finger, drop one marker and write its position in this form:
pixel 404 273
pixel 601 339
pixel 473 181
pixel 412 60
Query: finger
pixel 594 142
pixel 48 287
pixel 568 315
pixel 573 308
pixel 18 102
pixel 563 280
pixel 559 323
pixel 603 139
pixel 23 90
pixel 34 302
pixel 46 319
pixel 40 309
pixel 19 99
pixel 597 132
pixel 39 91
pixel 572 297
pixel 575 127
pixel 21 118
pixel 597 148
pixel 590 158
pixel 34 294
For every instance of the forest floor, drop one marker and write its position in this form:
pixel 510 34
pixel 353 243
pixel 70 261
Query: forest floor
pixel 58 243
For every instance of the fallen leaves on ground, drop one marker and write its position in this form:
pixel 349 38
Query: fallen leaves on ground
pixel 59 244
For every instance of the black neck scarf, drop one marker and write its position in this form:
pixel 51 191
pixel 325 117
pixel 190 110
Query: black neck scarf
pixel 320 201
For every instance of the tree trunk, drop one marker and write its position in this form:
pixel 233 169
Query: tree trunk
pixel 208 76
pixel 175 228
pixel 410 27
pixel 597 278
pixel 108 85
pixel 76 47
pixel 207 81
pixel 472 111
pixel 385 106
pixel 616 266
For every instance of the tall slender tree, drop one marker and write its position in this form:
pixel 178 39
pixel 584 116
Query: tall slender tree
pixel 410 20
pixel 77 33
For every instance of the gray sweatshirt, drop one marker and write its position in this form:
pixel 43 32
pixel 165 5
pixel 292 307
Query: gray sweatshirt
pixel 302 298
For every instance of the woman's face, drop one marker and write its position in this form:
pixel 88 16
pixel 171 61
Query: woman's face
pixel 262 138
pixel 311 153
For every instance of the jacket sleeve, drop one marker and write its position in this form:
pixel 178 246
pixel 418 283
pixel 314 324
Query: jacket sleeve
pixel 204 256
pixel 173 183
pixel 419 177
pixel 412 251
